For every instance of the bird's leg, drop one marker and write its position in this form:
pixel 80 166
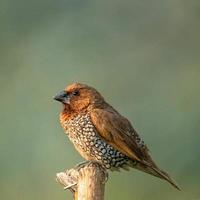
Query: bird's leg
pixel 87 162
pixel 82 164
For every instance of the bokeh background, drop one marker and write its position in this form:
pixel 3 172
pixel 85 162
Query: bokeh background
pixel 143 56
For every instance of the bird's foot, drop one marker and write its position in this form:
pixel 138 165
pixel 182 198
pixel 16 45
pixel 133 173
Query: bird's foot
pixel 88 162
pixel 82 164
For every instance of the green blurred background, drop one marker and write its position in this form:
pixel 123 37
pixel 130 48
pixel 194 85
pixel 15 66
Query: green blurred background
pixel 143 56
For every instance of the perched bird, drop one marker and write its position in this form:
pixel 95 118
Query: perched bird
pixel 100 133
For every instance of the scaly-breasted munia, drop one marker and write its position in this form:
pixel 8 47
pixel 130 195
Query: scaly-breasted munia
pixel 100 133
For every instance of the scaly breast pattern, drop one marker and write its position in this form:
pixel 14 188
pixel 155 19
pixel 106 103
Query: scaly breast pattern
pixel 85 138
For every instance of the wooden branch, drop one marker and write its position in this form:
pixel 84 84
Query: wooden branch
pixel 86 183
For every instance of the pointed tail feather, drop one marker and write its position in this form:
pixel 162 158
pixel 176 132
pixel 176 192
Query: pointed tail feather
pixel 165 176
pixel 155 171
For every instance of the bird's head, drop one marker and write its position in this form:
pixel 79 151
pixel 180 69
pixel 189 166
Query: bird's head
pixel 78 97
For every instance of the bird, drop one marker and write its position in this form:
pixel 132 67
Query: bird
pixel 101 134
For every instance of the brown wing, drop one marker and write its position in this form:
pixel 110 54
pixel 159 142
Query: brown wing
pixel 119 133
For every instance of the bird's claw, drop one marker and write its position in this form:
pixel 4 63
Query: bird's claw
pixel 82 164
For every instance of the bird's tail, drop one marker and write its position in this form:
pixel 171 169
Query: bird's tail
pixel 155 171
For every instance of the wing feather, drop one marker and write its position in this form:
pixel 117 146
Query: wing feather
pixel 119 133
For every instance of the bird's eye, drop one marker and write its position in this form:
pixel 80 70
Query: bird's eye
pixel 75 93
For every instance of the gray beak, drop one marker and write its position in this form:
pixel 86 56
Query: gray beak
pixel 62 97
